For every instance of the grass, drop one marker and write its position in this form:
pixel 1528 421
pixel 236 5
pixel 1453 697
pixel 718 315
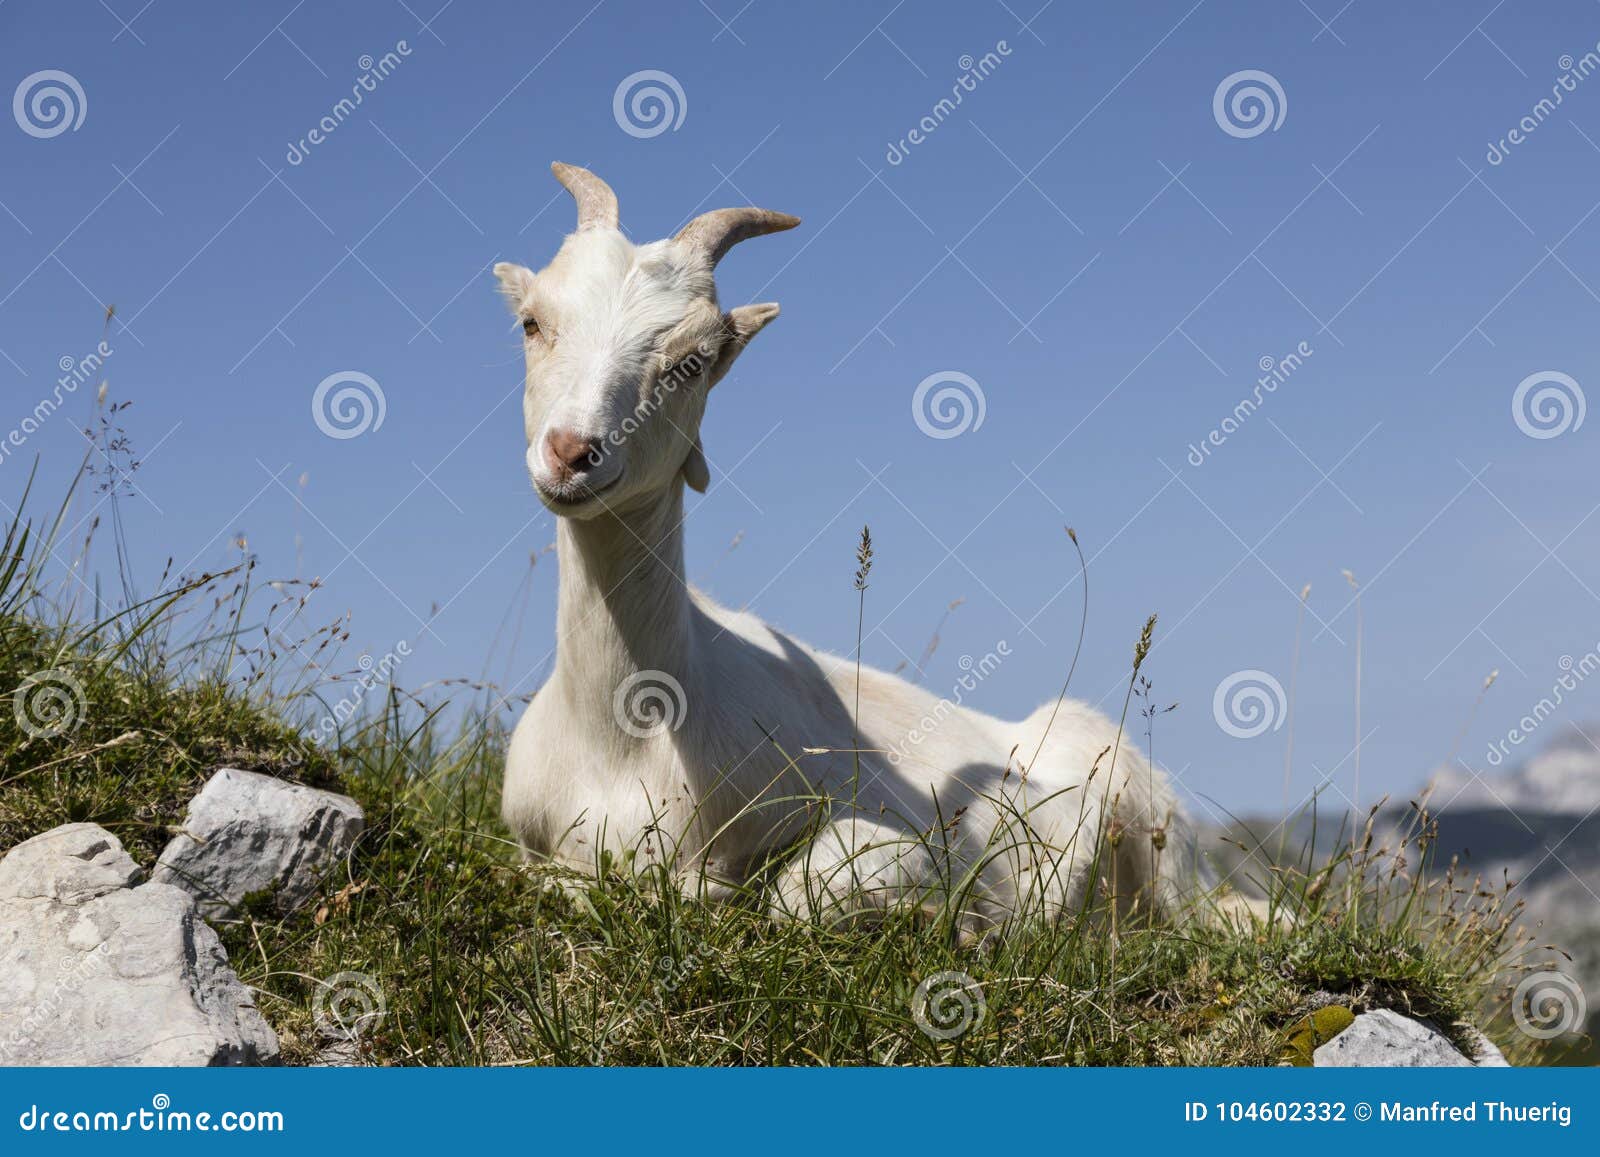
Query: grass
pixel 440 947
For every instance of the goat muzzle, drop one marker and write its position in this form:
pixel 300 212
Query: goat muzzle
pixel 570 454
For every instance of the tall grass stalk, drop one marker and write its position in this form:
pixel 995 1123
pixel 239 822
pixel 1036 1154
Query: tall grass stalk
pixel 863 570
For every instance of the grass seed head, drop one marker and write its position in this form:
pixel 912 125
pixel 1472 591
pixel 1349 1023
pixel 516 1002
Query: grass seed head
pixel 864 558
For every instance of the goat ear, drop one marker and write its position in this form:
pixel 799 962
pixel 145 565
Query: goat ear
pixel 515 281
pixel 748 320
pixel 742 325
pixel 696 470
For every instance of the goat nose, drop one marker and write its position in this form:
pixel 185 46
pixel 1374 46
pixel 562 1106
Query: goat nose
pixel 570 453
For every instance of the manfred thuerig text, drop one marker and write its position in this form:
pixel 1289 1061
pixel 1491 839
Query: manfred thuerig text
pixel 1403 1112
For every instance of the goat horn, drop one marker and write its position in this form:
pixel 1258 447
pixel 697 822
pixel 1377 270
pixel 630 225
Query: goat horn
pixel 597 204
pixel 718 231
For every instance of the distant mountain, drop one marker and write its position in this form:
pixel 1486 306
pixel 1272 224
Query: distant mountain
pixel 1562 779
pixel 1536 823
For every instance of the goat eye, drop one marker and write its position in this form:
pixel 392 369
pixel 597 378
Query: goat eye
pixel 530 326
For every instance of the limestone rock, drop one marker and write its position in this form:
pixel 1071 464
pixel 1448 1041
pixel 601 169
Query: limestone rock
pixel 248 833
pixel 94 971
pixel 1384 1038
pixel 1489 1057
pixel 69 864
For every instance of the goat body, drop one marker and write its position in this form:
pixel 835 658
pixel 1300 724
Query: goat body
pixel 680 732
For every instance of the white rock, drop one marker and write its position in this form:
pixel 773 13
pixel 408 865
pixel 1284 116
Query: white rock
pixel 1384 1038
pixel 94 971
pixel 1489 1057
pixel 249 833
pixel 70 864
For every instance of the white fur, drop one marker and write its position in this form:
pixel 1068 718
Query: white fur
pixel 967 816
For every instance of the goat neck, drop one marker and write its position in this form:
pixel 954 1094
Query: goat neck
pixel 623 605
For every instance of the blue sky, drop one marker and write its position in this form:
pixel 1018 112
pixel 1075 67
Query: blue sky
pixel 1082 237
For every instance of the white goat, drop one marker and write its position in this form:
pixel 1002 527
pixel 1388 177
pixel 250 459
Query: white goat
pixel 674 728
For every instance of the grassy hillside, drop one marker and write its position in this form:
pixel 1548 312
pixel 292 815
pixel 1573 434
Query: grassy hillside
pixel 442 949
